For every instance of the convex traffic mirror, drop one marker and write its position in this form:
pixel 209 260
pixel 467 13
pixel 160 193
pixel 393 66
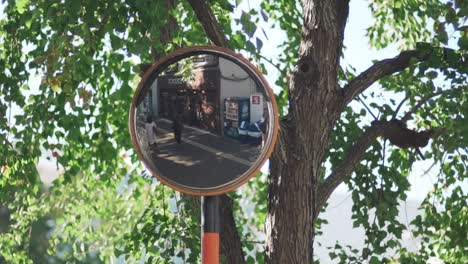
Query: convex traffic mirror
pixel 203 120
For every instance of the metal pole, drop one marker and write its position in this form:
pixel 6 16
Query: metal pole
pixel 210 229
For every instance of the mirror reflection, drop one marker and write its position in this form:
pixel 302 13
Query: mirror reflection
pixel 202 121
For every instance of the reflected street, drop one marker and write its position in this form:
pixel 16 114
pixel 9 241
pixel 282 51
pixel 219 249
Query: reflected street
pixel 201 158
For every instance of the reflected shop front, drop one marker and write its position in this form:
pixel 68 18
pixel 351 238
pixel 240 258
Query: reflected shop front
pixel 216 84
pixel 202 121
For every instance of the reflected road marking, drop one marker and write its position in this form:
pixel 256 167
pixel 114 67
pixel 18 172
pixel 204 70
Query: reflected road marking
pixel 212 150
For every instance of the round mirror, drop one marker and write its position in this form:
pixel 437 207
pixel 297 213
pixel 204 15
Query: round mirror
pixel 203 120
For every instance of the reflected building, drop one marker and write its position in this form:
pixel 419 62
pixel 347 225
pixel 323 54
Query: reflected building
pixel 211 96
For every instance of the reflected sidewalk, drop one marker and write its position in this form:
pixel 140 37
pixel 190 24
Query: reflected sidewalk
pixel 244 153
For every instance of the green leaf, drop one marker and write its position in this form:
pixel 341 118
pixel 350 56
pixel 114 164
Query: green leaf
pixel 247 25
pixel 21 5
pixel 264 15
pixel 259 43
pixel 431 74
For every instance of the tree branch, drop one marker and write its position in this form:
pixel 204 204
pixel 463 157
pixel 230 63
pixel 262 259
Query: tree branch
pixel 424 52
pixel 209 22
pixel 347 166
pixel 424 100
pixel 377 71
pixel 357 151
pixel 368 109
pixel 271 62
pixel 399 106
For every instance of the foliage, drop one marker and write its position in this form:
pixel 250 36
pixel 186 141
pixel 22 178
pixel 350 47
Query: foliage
pixel 68 70
pixel 84 55
pixel 166 230
pixel 287 15
pixel 380 181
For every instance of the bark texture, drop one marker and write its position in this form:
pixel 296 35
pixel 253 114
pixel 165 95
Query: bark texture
pixel 296 164
pixel 231 245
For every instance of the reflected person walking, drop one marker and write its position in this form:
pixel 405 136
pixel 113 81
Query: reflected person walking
pixel 177 126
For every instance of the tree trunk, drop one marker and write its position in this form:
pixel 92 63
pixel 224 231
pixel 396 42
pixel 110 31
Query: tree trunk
pixel 230 242
pixel 290 202
pixel 296 164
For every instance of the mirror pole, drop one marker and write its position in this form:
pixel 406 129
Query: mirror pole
pixel 210 229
